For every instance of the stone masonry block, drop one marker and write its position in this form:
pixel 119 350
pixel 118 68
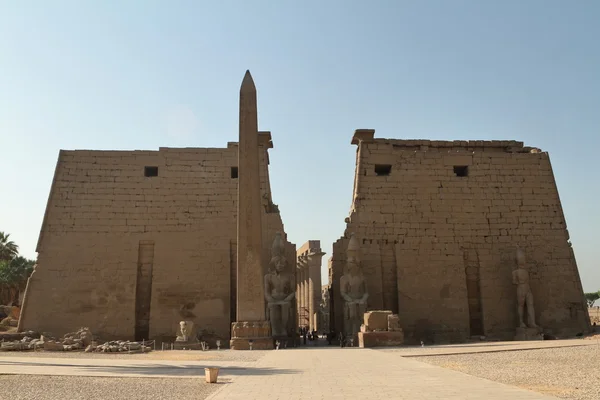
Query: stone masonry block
pixel 380 339
pixel 376 320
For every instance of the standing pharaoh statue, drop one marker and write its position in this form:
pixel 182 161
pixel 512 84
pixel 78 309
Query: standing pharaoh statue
pixel 279 289
pixel 520 277
pixel 353 288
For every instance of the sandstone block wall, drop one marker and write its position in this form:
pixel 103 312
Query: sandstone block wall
pixel 117 246
pixel 439 222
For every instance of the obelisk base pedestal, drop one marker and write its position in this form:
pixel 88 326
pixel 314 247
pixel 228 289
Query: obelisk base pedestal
pixel 252 335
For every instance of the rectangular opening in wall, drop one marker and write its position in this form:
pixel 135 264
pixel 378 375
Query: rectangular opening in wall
pixel 382 169
pixel 461 170
pixel 234 172
pixel 150 171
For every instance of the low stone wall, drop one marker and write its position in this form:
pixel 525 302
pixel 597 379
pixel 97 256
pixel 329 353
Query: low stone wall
pixel 380 339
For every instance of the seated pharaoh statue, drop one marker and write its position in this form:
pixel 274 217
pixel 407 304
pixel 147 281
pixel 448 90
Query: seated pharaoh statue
pixel 279 289
pixel 353 288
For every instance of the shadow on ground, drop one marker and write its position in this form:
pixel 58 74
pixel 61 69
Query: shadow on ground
pixel 156 369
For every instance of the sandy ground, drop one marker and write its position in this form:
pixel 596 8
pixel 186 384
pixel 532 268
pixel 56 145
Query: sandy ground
pixel 568 372
pixel 32 387
pixel 36 387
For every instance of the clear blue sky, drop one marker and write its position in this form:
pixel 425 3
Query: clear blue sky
pixel 143 74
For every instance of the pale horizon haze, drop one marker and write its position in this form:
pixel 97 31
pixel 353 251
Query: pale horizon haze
pixel 109 75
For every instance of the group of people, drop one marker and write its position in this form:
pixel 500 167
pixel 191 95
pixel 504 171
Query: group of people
pixel 306 333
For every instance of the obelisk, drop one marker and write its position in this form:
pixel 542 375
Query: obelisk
pixel 251 330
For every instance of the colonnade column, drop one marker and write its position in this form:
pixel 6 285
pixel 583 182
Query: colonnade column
pixel 309 283
pixel 298 291
pixel 303 290
pixel 314 279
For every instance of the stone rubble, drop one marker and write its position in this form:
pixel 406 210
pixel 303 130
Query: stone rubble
pixel 80 340
pixel 119 346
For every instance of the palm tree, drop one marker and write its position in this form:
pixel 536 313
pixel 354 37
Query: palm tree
pixel 8 249
pixel 13 278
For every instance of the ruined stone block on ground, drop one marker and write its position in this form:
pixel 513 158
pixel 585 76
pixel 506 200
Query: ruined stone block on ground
pixel 377 320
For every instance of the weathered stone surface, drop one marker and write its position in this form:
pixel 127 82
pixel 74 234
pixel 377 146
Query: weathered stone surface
pixel 393 323
pixel 520 277
pixel 110 221
pixel 438 222
pixel 279 291
pixel 309 302
pixel 377 320
pixel 12 346
pixel 257 344
pixel 250 290
pixel 187 346
pixel 51 345
pixel 251 330
pixel 380 339
pixel 250 293
pixel 83 337
pixel 528 333
pixel 185 332
pixel 258 332
pixel 119 346
pixel 353 289
pixel 12 336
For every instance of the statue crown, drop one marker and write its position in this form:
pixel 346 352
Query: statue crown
pixel 278 247
pixel 352 252
pixel 519 256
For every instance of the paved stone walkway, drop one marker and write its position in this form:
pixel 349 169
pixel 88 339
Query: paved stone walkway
pixel 333 373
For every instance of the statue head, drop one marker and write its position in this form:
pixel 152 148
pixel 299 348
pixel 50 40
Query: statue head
pixel 278 260
pixel 278 263
pixel 352 265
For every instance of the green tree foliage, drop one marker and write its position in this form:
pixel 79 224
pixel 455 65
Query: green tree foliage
pixel 14 270
pixel 592 297
pixel 8 248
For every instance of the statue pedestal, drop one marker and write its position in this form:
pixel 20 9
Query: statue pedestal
pixel 257 344
pixel 528 334
pixel 380 339
pixel 257 333
pixel 181 345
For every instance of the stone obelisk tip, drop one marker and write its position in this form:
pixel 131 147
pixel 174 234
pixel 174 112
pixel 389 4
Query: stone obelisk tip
pixel 248 83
